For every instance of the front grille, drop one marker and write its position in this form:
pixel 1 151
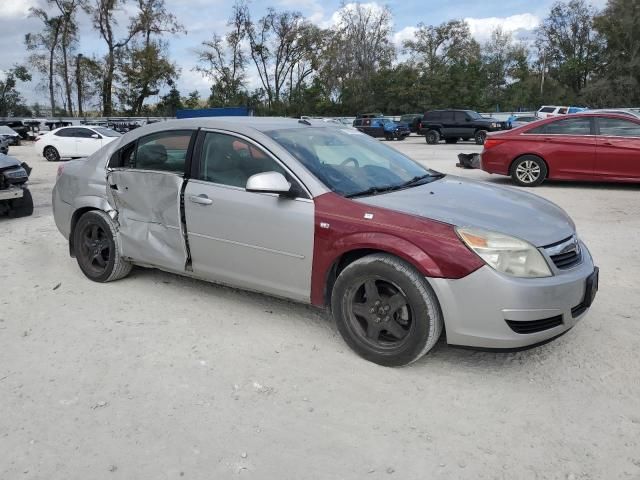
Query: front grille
pixel 566 260
pixel 565 254
pixel 534 326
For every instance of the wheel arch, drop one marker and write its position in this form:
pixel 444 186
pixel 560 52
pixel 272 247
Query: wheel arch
pixel 84 205
pixel 353 249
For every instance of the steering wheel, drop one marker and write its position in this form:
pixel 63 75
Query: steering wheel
pixel 352 160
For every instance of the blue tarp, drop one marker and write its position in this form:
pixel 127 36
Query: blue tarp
pixel 214 112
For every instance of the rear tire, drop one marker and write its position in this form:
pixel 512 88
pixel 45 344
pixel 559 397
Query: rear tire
pixel 21 207
pixel 51 154
pixel 97 249
pixel 529 171
pixel 385 310
pixel 432 137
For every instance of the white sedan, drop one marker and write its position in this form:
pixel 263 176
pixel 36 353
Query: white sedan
pixel 73 142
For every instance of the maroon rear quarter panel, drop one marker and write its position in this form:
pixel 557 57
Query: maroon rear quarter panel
pixel 431 246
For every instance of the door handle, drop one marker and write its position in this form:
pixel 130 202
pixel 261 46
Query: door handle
pixel 607 143
pixel 201 199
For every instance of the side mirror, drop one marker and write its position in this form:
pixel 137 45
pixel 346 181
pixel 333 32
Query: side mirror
pixel 95 135
pixel 268 182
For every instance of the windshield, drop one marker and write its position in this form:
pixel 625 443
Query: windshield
pixel 349 162
pixel 107 132
pixel 474 115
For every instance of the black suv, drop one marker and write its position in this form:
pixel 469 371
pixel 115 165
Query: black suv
pixel 413 120
pixel 452 125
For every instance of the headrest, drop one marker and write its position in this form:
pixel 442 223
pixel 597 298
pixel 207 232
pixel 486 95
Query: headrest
pixel 151 156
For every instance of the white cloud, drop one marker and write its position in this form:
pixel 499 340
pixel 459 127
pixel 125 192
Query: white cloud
pixel 481 28
pixel 16 8
pixel 407 33
pixel 335 17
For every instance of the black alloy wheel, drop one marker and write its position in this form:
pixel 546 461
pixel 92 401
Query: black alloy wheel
pixel 51 154
pixel 95 249
pixel 379 313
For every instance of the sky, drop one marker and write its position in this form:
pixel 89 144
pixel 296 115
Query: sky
pixel 202 18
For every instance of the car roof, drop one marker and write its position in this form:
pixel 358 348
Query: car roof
pixel 260 124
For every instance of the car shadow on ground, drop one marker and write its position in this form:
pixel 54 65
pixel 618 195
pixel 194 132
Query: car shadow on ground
pixel 273 309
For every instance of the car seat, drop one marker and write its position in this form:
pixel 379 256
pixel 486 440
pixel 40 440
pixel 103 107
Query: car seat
pixel 222 163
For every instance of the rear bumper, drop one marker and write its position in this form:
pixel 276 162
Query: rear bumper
pixel 62 213
pixel 491 162
pixel 476 308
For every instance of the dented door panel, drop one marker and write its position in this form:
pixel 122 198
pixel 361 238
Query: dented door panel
pixel 148 207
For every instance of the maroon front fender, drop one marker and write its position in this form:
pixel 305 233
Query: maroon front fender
pixel 343 225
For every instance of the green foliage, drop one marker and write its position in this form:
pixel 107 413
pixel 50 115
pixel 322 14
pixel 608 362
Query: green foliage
pixel 11 102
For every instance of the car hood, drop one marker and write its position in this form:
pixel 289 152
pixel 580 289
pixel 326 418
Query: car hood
pixel 467 203
pixel 7 161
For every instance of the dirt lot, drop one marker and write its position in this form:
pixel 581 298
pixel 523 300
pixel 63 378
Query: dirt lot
pixel 162 377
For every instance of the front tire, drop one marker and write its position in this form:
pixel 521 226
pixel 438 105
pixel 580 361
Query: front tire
pixel 51 154
pixel 432 137
pixel 21 207
pixel 96 248
pixel 386 311
pixel 529 171
pixel 480 137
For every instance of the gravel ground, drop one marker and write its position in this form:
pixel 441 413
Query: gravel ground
pixel 162 377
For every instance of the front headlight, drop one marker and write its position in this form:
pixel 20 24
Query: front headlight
pixel 495 125
pixel 504 253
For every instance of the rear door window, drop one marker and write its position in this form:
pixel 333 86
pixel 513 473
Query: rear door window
pixel 447 116
pixel 547 110
pixel 66 132
pixel 614 127
pixel 568 126
pixel 163 151
pixel 460 117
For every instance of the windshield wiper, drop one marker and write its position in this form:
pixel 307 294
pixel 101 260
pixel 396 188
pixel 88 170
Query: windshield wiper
pixel 390 188
pixel 372 191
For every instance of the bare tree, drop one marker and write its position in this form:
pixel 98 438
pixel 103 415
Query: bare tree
pixel 104 21
pixel 358 48
pixel 278 42
pixel 45 41
pixel 224 61
pixel 68 39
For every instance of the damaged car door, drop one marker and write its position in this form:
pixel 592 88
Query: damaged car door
pixel 144 183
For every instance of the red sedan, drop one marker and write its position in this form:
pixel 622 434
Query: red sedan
pixel 595 147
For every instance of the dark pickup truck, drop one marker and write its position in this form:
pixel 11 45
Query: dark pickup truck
pixel 453 125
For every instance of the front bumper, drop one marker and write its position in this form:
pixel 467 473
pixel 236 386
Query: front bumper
pixel 12 193
pixel 476 308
